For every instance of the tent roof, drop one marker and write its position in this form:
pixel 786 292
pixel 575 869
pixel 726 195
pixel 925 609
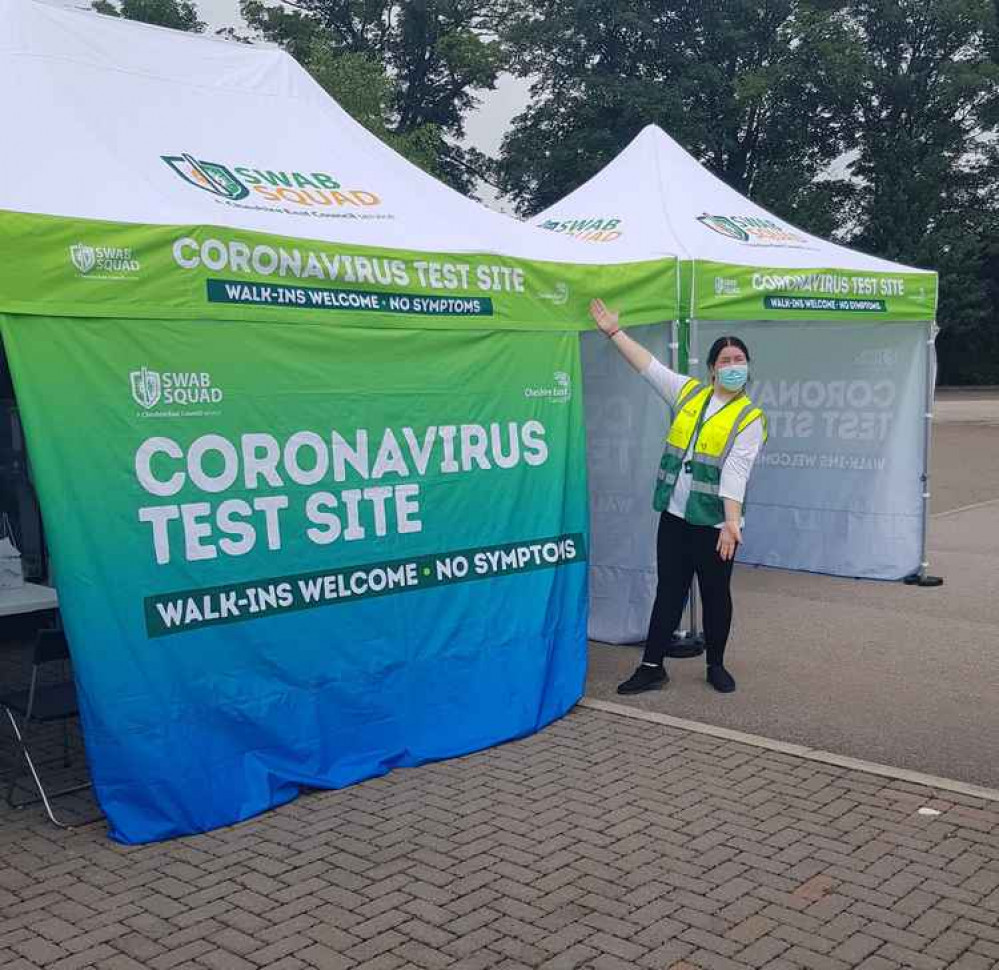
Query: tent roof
pixel 667 202
pixel 152 172
pixel 125 122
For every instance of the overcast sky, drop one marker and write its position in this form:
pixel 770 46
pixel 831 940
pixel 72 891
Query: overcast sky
pixel 485 127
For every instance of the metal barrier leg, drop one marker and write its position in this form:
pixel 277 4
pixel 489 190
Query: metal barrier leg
pixel 43 796
pixel 920 577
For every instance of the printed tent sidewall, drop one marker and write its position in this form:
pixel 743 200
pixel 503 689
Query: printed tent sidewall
pixel 343 601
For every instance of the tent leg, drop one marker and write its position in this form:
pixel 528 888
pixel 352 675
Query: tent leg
pixel 921 577
pixel 689 642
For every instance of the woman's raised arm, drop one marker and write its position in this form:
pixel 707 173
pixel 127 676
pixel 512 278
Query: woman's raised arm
pixel 632 351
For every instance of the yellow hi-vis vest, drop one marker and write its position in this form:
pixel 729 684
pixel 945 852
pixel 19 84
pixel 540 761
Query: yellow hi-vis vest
pixel 715 437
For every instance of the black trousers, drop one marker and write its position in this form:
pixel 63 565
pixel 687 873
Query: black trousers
pixel 682 550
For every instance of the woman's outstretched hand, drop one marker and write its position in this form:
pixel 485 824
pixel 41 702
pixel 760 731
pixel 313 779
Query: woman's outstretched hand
pixel 605 318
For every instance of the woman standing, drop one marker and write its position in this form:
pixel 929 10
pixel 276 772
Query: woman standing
pixel 715 436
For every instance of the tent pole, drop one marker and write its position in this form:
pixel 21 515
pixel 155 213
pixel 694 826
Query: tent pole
pixel 693 362
pixel 921 577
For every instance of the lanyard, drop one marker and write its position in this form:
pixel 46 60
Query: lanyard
pixel 701 418
pixel 688 465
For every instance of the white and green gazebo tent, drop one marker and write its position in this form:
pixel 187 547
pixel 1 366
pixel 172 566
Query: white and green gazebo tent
pixel 306 425
pixel 843 363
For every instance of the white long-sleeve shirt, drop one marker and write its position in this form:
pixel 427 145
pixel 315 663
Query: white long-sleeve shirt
pixel 740 460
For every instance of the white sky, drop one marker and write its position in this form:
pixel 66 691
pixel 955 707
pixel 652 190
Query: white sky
pixel 485 126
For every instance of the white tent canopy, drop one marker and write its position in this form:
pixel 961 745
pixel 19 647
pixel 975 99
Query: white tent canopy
pixel 656 198
pixel 842 363
pixel 228 121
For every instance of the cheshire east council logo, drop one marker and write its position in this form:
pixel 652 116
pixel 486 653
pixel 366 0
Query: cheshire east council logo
pixel 559 294
pixel 558 392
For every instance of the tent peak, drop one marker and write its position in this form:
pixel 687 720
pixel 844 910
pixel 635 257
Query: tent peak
pixel 656 197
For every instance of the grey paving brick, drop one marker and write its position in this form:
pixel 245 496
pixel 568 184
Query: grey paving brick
pixel 910 958
pixel 576 956
pixel 972 961
pixel 39 951
pixel 710 941
pixel 763 952
pixel 224 960
pixel 600 843
pixel 856 948
pixel 878 963
pixel 804 957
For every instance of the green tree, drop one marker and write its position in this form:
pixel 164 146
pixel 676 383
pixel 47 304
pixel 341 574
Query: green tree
pixel 760 91
pixel 964 247
pixel 899 97
pixel 927 178
pixel 426 63
pixel 362 88
pixel 178 14
pixel 929 85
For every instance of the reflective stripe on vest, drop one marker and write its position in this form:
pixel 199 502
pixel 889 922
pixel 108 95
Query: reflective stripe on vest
pixel 715 437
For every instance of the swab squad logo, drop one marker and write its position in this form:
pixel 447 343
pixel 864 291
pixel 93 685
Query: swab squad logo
pixel 247 186
pixel 104 262
pixel 147 387
pixel 83 256
pixel 210 176
pixel 173 389
pixel 754 230
pixel 602 229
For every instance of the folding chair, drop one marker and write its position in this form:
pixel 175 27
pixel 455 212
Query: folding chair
pixel 42 703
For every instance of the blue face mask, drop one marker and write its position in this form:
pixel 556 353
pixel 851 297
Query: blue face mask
pixel 733 377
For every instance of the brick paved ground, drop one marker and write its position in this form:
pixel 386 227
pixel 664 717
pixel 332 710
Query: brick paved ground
pixel 601 843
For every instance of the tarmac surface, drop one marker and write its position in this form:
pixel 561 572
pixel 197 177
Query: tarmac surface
pixel 884 672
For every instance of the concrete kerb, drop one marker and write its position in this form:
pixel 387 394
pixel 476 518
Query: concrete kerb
pixel 964 508
pixel 798 750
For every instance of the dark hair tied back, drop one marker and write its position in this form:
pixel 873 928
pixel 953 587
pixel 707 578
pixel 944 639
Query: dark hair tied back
pixel 720 344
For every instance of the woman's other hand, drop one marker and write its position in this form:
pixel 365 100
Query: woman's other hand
pixel 605 318
pixel 729 537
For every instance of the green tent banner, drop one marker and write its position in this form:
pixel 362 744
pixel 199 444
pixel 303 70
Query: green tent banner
pixel 64 266
pixel 721 291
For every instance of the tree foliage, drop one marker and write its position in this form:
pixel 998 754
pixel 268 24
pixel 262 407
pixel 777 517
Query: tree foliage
pixel 424 63
pixel 927 173
pixel 758 91
pixel 872 121
pixel 178 14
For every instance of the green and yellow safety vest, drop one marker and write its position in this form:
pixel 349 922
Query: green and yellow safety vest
pixel 714 439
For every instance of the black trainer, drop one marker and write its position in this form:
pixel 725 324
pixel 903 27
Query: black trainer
pixel 644 678
pixel 720 679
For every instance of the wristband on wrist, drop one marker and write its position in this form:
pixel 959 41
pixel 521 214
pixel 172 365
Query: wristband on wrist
pixel 613 333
